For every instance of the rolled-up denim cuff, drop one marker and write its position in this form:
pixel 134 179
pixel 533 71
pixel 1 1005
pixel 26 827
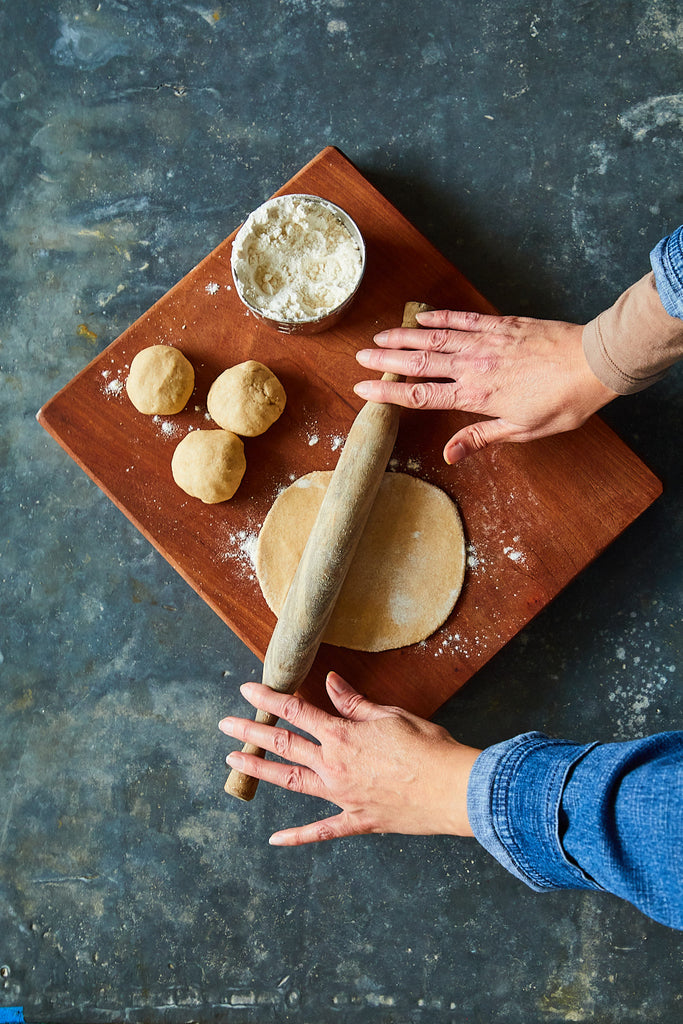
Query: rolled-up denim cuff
pixel 514 800
pixel 667 264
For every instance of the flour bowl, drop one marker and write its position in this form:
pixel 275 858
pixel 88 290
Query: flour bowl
pixel 298 262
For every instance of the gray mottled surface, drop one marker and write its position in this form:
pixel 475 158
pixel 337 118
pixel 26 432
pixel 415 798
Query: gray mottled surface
pixel 540 149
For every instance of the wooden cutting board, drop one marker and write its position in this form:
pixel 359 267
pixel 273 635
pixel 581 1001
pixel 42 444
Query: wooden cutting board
pixel 535 514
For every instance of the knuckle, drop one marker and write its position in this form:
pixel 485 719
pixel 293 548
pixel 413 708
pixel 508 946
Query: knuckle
pixel 452 396
pixel 421 395
pixel 350 704
pixel 282 742
pixel 438 339
pixel 477 437
pixel 294 779
pixel 323 831
pixel 417 364
pixel 291 709
pixel 471 319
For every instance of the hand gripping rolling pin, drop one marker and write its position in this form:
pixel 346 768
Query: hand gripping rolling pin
pixel 327 556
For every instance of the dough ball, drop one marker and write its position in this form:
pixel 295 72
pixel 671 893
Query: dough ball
pixel 160 381
pixel 246 398
pixel 209 464
pixel 406 574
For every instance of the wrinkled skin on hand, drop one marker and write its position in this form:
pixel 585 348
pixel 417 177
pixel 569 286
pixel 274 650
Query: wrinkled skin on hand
pixel 529 376
pixel 387 770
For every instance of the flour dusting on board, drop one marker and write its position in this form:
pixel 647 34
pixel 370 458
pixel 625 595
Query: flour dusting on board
pixel 314 436
pixel 111 386
pixel 242 551
pixel 474 560
pixel 167 428
pixel 114 387
pixel 513 553
pixel 453 642
pixel 409 464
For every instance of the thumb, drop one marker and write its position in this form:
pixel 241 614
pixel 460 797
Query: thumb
pixel 476 437
pixel 335 827
pixel 348 702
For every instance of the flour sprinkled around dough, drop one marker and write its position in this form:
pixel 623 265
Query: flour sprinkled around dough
pixel 167 427
pixel 114 387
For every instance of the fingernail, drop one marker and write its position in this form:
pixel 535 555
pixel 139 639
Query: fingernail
pixel 276 840
pixel 362 389
pixel 455 453
pixel 235 760
pixel 225 725
pixel 333 682
pixel 382 336
pixel 245 688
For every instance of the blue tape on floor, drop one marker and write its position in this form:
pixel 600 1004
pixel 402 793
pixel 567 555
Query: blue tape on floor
pixel 11 1015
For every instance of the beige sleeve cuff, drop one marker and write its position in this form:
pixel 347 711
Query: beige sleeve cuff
pixel 632 344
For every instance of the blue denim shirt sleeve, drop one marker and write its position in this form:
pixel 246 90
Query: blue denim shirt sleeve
pixel 667 264
pixel 601 816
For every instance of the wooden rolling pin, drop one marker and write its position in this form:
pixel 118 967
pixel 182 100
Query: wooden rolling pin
pixel 327 556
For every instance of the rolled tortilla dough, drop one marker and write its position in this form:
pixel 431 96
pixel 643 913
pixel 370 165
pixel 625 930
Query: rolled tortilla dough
pixel 407 572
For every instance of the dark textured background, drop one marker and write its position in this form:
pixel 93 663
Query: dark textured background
pixel 540 149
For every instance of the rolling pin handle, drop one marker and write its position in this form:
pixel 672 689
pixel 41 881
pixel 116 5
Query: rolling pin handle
pixel 244 786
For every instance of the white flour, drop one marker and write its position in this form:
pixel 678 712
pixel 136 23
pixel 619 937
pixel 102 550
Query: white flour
pixel 295 260
pixel 242 551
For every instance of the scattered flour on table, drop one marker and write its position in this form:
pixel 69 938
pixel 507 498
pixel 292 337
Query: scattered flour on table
pixel 212 287
pixel 636 691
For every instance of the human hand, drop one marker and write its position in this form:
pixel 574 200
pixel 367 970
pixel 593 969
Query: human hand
pixel 530 376
pixel 388 770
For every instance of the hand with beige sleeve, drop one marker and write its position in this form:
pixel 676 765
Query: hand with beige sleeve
pixel 386 769
pixel 530 378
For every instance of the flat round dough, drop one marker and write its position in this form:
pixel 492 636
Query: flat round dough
pixel 407 572
pixel 209 464
pixel 160 380
pixel 246 398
